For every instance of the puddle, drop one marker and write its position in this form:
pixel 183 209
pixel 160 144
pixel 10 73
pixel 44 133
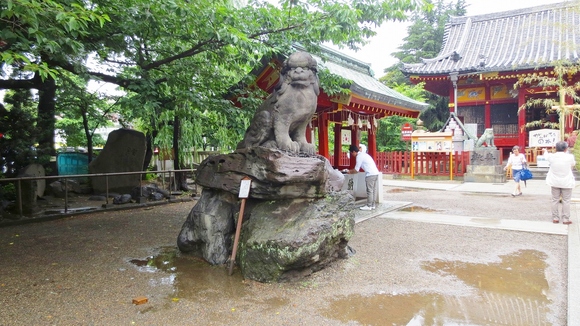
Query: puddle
pixel 399 190
pixel 510 292
pixel 417 209
pixel 192 277
pixel 69 210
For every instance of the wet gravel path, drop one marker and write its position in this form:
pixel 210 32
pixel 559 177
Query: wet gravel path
pixel 77 271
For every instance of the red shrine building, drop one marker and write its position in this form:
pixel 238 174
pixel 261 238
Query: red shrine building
pixel 483 57
pixel 347 115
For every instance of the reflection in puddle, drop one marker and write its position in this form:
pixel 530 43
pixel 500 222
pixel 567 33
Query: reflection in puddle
pixel 510 292
pixel 417 209
pixel 194 279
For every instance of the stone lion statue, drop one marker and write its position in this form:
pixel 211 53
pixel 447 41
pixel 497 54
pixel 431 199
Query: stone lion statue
pixel 486 138
pixel 281 121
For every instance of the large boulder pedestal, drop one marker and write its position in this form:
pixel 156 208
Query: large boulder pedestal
pixel 296 219
pixel 485 166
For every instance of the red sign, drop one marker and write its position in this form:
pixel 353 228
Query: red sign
pixel 406 131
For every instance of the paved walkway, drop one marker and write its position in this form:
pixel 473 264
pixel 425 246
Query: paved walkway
pixel 390 210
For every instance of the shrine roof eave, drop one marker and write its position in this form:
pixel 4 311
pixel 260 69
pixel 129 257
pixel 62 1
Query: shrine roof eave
pixel 440 84
pixel 365 105
pixel 385 101
pixel 431 71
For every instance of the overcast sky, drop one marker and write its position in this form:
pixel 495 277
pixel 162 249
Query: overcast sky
pixel 390 36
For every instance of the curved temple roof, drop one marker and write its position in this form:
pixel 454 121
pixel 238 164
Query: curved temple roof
pixel 363 82
pixel 526 38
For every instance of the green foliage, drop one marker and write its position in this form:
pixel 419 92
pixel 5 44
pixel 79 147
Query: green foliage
pixel 416 92
pixel 7 191
pixel 31 28
pixel 176 60
pixel 80 112
pixel 558 83
pixel 16 146
pixel 389 134
pixel 424 40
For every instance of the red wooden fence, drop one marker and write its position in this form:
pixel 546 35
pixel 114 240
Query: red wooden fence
pixel 426 163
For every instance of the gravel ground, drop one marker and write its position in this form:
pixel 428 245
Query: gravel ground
pixel 78 271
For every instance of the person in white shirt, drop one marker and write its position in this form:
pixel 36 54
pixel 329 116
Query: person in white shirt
pixel 516 163
pixel 561 178
pixel 366 162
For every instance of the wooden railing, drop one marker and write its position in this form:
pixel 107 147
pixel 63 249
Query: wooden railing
pixel 430 164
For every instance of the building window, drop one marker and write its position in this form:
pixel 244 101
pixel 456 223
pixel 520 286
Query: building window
pixel 473 114
pixel 504 118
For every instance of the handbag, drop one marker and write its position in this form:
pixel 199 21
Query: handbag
pixel 525 174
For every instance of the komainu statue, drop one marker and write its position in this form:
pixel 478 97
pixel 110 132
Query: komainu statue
pixel 486 138
pixel 281 121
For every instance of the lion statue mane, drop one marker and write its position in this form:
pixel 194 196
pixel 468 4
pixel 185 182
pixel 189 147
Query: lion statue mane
pixel 281 121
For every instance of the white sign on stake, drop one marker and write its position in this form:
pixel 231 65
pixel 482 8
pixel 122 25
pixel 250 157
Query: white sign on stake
pixel 245 188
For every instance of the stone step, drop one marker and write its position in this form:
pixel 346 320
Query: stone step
pixel 541 173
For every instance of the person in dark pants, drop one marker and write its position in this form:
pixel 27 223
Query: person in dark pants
pixel 366 162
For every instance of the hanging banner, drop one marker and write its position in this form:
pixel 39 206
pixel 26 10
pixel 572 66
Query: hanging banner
pixel 346 136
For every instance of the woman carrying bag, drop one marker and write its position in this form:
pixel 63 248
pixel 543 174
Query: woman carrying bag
pixel 516 161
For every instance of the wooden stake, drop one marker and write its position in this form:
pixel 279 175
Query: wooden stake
pixel 244 193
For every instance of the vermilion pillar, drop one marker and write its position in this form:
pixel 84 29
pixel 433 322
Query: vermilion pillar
pixel 323 135
pixel 337 144
pixel 522 119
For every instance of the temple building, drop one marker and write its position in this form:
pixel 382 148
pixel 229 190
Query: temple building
pixel 483 57
pixel 368 102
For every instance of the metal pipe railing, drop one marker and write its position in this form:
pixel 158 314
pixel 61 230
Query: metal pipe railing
pixel 19 181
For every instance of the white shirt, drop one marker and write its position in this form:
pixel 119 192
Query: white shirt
pixel 365 161
pixel 560 174
pixel 517 162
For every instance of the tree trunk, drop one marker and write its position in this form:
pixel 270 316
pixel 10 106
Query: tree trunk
pixel 46 120
pixel 180 177
pixel 149 151
pixel 88 133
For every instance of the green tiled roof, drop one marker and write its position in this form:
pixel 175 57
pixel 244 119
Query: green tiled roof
pixel 363 82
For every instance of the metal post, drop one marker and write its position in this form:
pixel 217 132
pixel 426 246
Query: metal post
pixel 107 190
pixel 65 195
pixel 20 198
